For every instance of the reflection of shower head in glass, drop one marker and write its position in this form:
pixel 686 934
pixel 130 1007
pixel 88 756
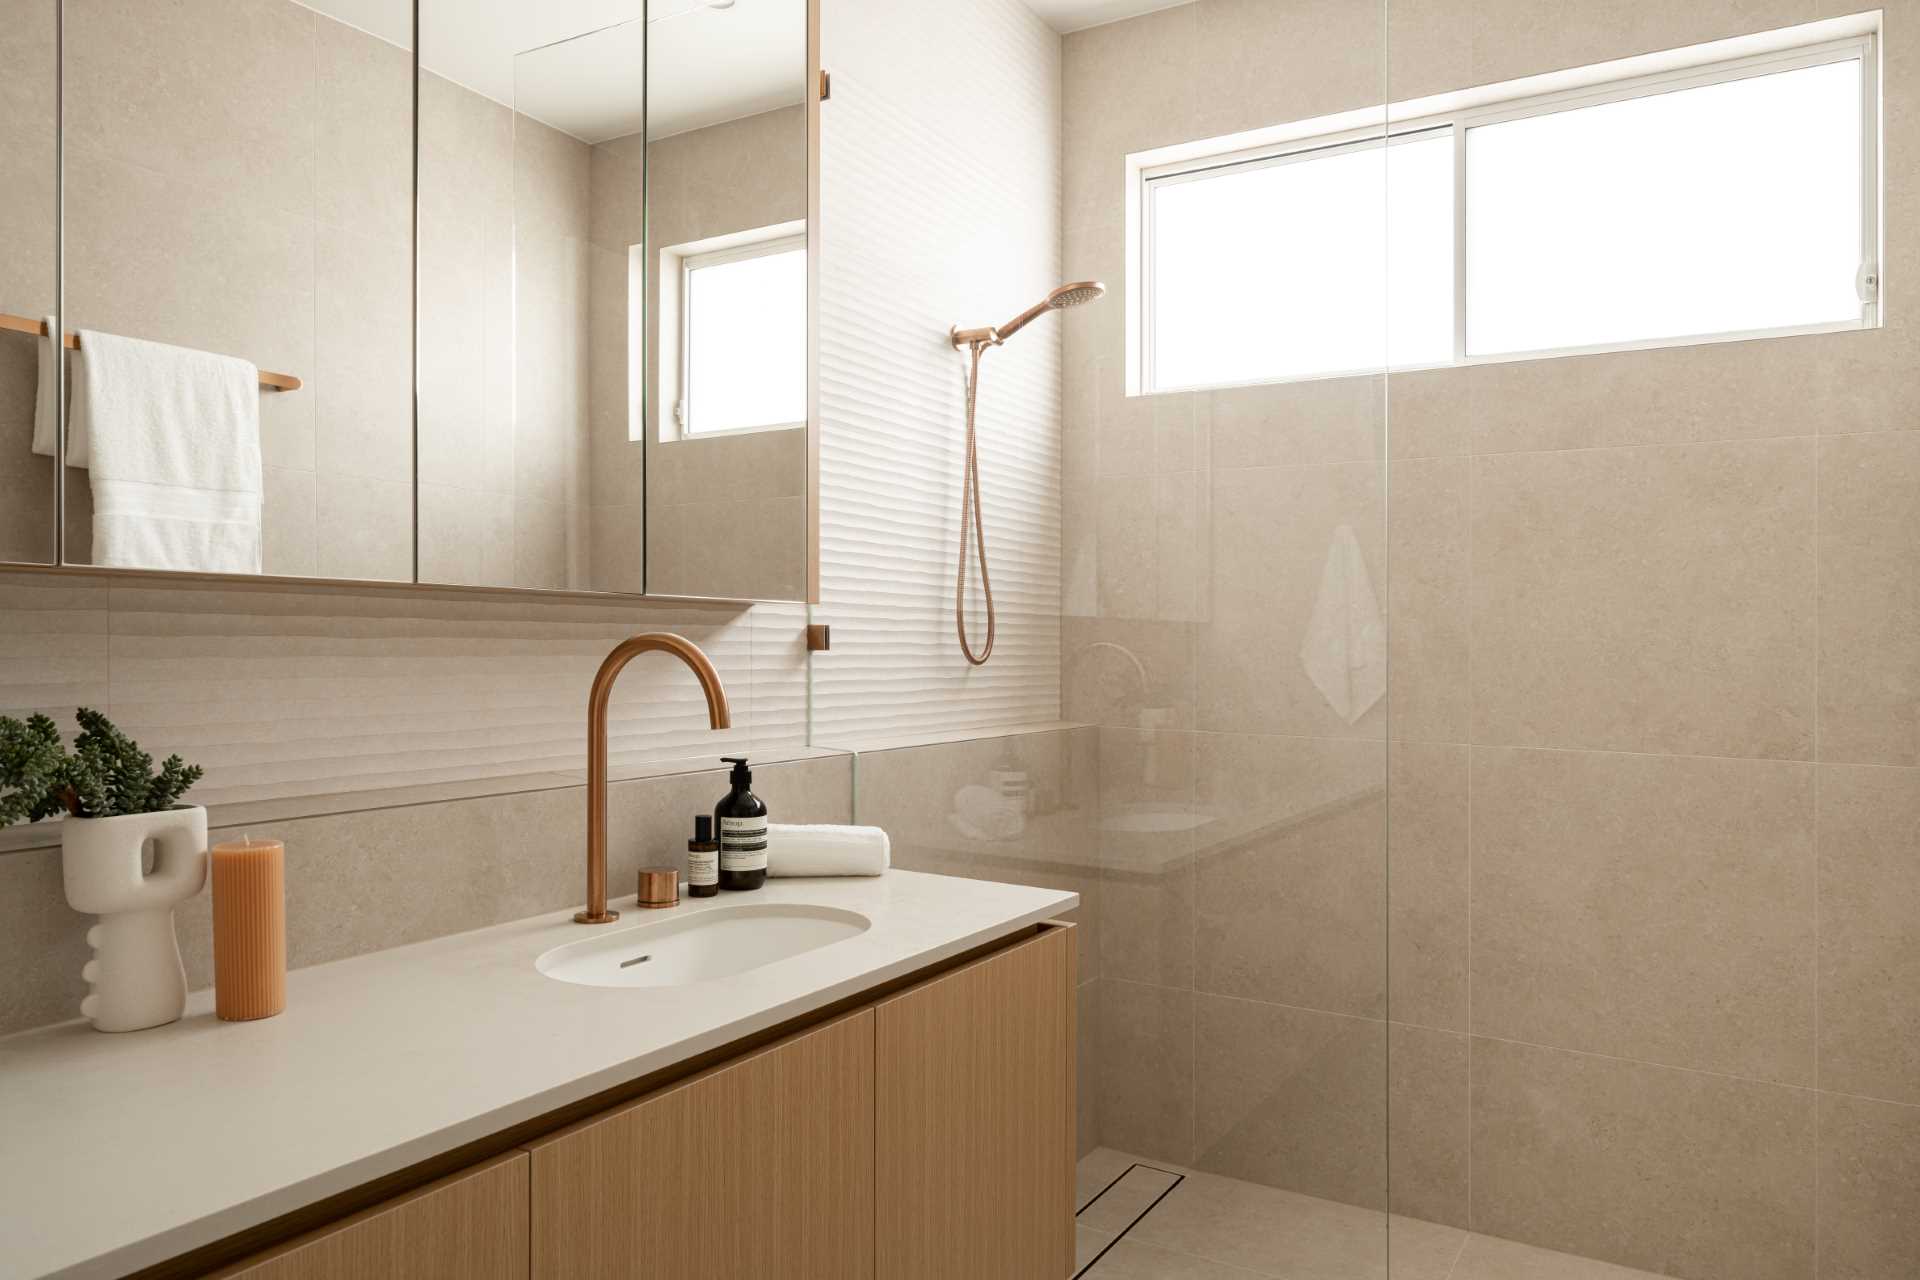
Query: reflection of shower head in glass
pixel 976 341
pixel 1067 295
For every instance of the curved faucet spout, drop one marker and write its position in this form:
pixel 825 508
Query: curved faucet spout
pixel 718 716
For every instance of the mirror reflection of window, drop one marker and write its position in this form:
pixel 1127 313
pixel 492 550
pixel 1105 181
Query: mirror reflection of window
pixel 743 338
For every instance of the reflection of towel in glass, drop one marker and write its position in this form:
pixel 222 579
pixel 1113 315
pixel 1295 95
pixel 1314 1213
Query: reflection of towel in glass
pixel 43 394
pixel 171 438
pixel 1345 650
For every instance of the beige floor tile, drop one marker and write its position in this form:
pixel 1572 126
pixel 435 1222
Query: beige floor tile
pixel 1490 1258
pixel 1087 1244
pixel 1279 1233
pixel 1129 1196
pixel 1869 900
pixel 1131 1261
pixel 1704 1175
pixel 1651 908
pixel 1869 1189
pixel 1095 1170
pixel 1646 599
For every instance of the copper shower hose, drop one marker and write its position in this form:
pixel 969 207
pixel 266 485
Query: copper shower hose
pixel 970 507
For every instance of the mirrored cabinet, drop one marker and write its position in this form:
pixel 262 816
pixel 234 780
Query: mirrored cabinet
pixel 528 310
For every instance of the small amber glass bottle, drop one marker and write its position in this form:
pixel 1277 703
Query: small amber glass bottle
pixel 703 859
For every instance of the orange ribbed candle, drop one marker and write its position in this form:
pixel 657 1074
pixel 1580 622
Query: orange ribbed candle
pixel 249 929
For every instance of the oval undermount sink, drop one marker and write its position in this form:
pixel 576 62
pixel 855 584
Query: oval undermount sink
pixel 701 946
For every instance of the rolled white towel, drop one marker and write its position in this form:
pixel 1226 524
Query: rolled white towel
pixel 826 850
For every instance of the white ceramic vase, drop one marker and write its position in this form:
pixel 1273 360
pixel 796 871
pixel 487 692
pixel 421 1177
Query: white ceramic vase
pixel 135 976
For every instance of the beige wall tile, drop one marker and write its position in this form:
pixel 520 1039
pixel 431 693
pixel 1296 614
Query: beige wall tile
pixel 1290 888
pixel 1145 838
pixel 363 388
pixel 1428 812
pixel 1147 1086
pixel 289 523
pixel 1272 532
pixel 618 544
pixel 1869 1185
pixel 1291 1098
pixel 1429 570
pixel 1126 673
pixel 1291 424
pixel 1238 44
pixel 1690 1174
pixel 1523 37
pixel 1125 86
pixel 29 165
pixel 1430 412
pixel 1870 598
pixel 365 527
pixel 1427 1123
pixel 1646 599
pixel 1647 907
pixel 1869 966
pixel 219 94
pixel 914 792
pixel 1088 1064
pixel 363 179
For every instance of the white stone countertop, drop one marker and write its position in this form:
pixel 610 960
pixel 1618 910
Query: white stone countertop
pixel 119 1151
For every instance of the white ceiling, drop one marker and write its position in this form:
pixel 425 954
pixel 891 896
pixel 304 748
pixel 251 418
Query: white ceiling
pixel 1076 15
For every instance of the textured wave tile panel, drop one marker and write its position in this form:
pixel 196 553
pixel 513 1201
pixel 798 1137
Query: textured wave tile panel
pixel 937 210
pixel 284 693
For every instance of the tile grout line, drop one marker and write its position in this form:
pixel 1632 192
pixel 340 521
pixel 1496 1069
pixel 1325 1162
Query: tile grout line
pixel 1473 476
pixel 1466 1238
pixel 1815 709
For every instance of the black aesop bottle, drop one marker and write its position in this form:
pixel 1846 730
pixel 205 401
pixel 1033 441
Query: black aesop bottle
pixel 742 819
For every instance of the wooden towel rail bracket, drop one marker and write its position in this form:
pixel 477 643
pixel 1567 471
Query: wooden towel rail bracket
pixel 269 381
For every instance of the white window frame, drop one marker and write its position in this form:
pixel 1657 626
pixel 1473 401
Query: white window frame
pixel 1459 113
pixel 677 265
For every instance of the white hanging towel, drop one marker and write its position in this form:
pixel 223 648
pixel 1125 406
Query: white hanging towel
pixel 44 390
pixel 171 438
pixel 1345 650
pixel 824 849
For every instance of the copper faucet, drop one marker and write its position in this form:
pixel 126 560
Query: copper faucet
pixel 717 715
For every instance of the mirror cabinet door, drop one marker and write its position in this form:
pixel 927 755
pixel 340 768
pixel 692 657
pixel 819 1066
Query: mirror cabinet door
pixel 29 277
pixel 239 184
pixel 725 298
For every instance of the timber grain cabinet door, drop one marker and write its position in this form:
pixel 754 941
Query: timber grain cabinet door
pixel 974 1122
pixel 470 1226
pixel 761 1167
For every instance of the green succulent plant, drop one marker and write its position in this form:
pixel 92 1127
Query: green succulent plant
pixel 106 775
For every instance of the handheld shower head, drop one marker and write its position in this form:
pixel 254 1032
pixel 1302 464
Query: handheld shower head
pixel 1067 295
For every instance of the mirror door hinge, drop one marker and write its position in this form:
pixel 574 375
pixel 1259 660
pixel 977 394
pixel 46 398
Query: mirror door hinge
pixel 826 85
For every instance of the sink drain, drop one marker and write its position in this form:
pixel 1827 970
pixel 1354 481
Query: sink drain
pixel 628 964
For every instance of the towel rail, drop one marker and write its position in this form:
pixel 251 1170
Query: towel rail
pixel 269 381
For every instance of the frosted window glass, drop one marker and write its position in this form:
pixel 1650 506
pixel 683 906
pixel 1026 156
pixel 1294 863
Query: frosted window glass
pixel 747 343
pixel 1718 209
pixel 1275 270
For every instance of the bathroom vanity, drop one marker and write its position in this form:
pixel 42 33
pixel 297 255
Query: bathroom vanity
pixel 894 1103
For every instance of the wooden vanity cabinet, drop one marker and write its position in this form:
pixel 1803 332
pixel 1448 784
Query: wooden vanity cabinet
pixel 761 1167
pixel 470 1226
pixel 926 1135
pixel 975 1119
